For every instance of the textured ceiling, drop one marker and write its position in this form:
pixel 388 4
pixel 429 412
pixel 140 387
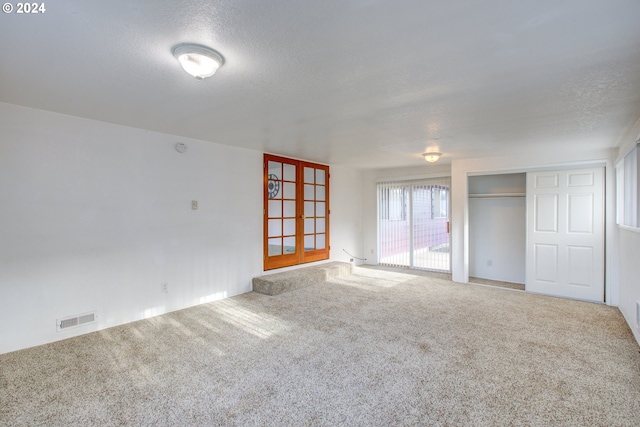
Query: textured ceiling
pixel 361 83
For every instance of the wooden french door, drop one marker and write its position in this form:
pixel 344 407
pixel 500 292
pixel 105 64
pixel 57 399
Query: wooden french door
pixel 296 212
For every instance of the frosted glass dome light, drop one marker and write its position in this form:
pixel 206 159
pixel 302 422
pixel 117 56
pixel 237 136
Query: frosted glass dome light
pixel 432 157
pixel 199 61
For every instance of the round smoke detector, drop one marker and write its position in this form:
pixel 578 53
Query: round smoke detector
pixel 181 147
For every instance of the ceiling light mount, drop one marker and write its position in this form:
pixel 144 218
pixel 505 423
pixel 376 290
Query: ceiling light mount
pixel 199 61
pixel 432 157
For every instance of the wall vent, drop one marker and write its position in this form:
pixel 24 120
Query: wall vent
pixel 75 321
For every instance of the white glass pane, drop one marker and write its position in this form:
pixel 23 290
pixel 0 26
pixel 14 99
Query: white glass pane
pixel 320 225
pixel 274 188
pixel 308 226
pixel 320 190
pixel 308 208
pixel 308 176
pixel 320 208
pixel 309 243
pixel 275 227
pixel 274 209
pixel 308 192
pixel 320 241
pixel 289 227
pixel 275 247
pixel 289 245
pixel 275 168
pixel 289 190
pixel 289 208
pixel 319 176
pixel 289 172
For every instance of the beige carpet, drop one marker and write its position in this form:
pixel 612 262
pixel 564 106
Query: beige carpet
pixel 498 283
pixel 376 348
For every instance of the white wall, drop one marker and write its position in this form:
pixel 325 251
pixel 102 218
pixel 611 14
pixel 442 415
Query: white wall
pixel 497 239
pixel 629 277
pixel 96 216
pixel 628 250
pixel 498 184
pixel 346 214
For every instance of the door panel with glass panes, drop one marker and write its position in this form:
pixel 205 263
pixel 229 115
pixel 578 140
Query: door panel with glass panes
pixel 296 212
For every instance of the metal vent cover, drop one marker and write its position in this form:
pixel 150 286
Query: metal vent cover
pixel 75 321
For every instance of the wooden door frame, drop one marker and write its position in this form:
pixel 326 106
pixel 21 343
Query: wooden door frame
pixel 300 256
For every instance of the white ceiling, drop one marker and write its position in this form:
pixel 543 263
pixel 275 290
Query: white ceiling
pixel 361 83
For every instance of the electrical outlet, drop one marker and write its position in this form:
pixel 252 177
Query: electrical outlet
pixel 164 287
pixel 194 204
pixel 489 262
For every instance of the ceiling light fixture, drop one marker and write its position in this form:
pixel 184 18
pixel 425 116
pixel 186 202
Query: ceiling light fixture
pixel 199 61
pixel 432 157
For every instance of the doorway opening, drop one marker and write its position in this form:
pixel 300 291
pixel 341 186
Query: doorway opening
pixel 497 230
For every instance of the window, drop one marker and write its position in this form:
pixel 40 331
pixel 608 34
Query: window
pixel 628 187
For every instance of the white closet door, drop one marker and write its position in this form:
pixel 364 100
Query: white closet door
pixel 565 233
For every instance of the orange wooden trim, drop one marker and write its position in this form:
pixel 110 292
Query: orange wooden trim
pixel 300 256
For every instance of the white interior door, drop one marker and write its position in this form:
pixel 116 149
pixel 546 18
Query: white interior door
pixel 565 233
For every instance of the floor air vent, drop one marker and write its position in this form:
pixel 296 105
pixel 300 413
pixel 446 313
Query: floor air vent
pixel 75 321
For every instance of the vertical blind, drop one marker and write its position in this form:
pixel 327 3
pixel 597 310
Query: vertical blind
pixel 393 224
pixel 413 221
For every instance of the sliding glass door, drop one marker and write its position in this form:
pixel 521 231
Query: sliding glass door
pixel 413 224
